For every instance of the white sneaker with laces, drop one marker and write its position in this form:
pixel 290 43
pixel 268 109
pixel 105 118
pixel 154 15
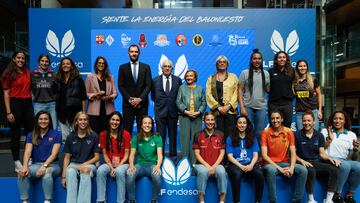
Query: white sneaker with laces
pixel 18 166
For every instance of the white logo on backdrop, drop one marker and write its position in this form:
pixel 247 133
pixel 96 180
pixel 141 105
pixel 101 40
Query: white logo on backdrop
pixel 176 175
pixel 181 66
pixel 53 44
pixel 292 42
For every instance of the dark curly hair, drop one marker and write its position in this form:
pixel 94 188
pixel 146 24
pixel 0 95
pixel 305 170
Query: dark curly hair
pixel 288 69
pixel 249 134
pixel 347 124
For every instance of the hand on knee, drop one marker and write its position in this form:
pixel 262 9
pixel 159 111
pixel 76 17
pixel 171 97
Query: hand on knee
pixel 86 170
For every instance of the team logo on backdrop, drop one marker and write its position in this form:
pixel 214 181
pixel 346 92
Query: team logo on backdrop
pixel 291 46
pixel 180 40
pixel 237 40
pixel 53 44
pixel 109 40
pixel 142 41
pixel 176 175
pixel 125 40
pixel 198 40
pixel 100 39
pixel 181 66
pixel 215 41
pixel 161 41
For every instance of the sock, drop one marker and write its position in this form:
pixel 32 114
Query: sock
pixel 329 196
pixel 311 197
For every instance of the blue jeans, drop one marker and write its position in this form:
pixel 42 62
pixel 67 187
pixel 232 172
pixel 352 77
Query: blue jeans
pixel 50 107
pixel 47 180
pixel 72 183
pixel 299 124
pixel 101 176
pixel 257 118
pixel 141 171
pixel 203 175
pixel 271 172
pixel 349 171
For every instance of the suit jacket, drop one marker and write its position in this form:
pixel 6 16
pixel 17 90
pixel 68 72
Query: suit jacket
pixel 127 86
pixel 92 87
pixel 165 104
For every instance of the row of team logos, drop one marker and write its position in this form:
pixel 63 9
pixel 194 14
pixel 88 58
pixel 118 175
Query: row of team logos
pixel 180 40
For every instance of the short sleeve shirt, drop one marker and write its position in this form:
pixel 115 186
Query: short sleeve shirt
pixel 242 154
pixel 146 150
pixel 20 87
pixel 305 99
pixel 114 148
pixel 42 151
pixel 81 149
pixel 209 146
pixel 341 145
pixel 309 148
pixel 278 143
pixel 257 99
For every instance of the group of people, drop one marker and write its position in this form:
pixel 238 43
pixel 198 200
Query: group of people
pixel 237 142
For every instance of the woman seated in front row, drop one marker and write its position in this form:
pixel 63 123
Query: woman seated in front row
pixel 81 153
pixel 42 146
pixel 209 151
pixel 147 146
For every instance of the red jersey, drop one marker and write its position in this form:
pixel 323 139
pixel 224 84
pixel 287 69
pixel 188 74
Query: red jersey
pixel 114 148
pixel 20 87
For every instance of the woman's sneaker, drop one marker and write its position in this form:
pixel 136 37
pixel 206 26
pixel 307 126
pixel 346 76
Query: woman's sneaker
pixel 18 166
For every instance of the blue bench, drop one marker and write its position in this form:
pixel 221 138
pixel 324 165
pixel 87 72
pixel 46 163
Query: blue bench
pixel 168 193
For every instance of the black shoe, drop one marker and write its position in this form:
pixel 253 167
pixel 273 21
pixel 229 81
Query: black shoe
pixel 296 201
pixel 132 201
pixel 153 201
pixel 349 199
pixel 337 198
pixel 272 201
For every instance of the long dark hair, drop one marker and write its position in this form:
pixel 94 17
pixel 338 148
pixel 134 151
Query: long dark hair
pixel 43 55
pixel 74 72
pixel 120 132
pixel 347 124
pixel 36 130
pixel 105 74
pixel 288 68
pixel 140 136
pixel 251 71
pixel 249 134
pixel 10 73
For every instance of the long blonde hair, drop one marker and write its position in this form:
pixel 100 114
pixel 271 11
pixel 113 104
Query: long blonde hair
pixel 88 129
pixel 308 77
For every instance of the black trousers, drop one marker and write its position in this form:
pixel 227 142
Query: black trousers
pixel 130 114
pixel 285 109
pixel 23 112
pixel 235 174
pixel 225 123
pixel 168 126
pixel 322 169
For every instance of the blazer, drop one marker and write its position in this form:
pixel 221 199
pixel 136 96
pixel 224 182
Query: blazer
pixel 129 88
pixel 165 104
pixel 183 99
pixel 92 87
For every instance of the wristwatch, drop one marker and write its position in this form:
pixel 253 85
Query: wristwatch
pixel 45 165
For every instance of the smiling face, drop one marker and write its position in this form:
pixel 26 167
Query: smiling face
pixel 281 59
pixel 276 120
pixel 66 65
pixel 302 68
pixel 308 122
pixel 241 124
pixel 209 121
pixel 146 124
pixel 19 60
pixel 114 122
pixel 100 65
pixel 190 78
pixel 82 122
pixel 256 60
pixel 44 121
pixel 339 122
pixel 44 63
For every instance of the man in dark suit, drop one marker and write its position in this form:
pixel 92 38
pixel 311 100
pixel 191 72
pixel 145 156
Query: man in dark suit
pixel 134 81
pixel 164 92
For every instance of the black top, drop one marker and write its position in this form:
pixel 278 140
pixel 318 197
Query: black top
pixel 305 99
pixel 280 87
pixel 219 91
pixel 102 86
pixel 308 149
pixel 43 86
pixel 81 149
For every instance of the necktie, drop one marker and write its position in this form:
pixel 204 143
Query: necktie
pixel 134 72
pixel 167 85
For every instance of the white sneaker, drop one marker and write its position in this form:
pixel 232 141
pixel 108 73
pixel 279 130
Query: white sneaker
pixel 328 201
pixel 47 201
pixel 312 201
pixel 18 166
